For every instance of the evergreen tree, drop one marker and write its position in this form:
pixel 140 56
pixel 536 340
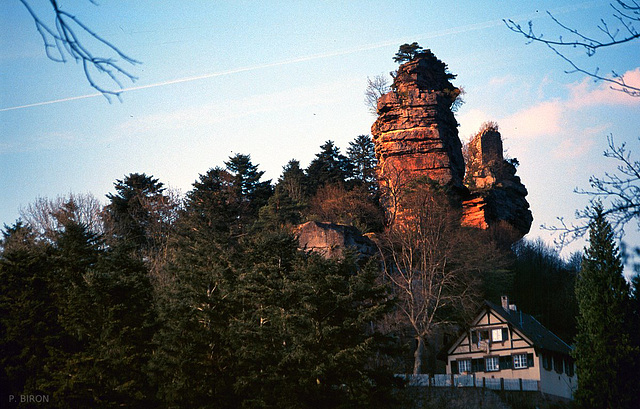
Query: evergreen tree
pixel 193 365
pixel 280 211
pixel 250 192
pixel 304 337
pixel 606 359
pixel 293 181
pixel 362 155
pixel 544 286
pixel 136 213
pixel 328 167
pixel 407 52
pixel 28 314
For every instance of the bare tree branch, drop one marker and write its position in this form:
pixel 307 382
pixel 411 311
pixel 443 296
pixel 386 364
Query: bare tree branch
pixel 626 14
pixel 63 40
pixel 376 87
pixel 619 192
pixel 434 266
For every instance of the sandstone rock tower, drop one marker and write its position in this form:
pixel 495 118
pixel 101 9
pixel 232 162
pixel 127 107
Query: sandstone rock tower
pixel 496 194
pixel 416 136
pixel 416 133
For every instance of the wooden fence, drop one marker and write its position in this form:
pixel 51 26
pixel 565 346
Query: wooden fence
pixel 471 381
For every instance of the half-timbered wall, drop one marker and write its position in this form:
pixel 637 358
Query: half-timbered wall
pixel 492 348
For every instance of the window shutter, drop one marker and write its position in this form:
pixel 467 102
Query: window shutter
pixel 505 362
pixel 474 337
pixel 530 361
pixel 454 367
pixel 505 334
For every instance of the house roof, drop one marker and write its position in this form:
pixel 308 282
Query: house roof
pixel 532 329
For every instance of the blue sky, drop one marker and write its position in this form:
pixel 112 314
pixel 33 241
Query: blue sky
pixel 275 79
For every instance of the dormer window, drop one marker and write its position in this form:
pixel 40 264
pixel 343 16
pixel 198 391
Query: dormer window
pixel 496 335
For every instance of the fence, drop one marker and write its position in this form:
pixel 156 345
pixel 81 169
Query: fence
pixel 470 381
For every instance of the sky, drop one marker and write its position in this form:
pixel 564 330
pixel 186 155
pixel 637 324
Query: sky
pixel 276 79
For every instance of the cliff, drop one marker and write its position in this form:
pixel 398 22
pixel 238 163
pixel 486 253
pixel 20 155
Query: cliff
pixel 332 240
pixel 416 136
pixel 497 195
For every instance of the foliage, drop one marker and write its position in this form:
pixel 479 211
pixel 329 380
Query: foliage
pixel 356 207
pixel 133 215
pixel 28 313
pixel 362 156
pixel 304 337
pixel 607 360
pixel 544 286
pixel 266 325
pixel 248 190
pixel 294 180
pixel 407 52
pixel 328 167
pixel 44 215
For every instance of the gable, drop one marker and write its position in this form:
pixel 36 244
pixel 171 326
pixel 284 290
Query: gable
pixel 489 331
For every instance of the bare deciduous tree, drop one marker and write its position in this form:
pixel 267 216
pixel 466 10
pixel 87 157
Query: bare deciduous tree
pixel 376 87
pixel 46 216
pixel 68 37
pixel 620 29
pixel 434 266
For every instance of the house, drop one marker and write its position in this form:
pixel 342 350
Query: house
pixel 505 344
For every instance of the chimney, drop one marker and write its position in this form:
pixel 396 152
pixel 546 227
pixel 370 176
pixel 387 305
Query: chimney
pixel 505 302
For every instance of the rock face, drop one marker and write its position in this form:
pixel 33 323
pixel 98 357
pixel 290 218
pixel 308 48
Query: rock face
pixel 332 240
pixel 416 136
pixel 496 193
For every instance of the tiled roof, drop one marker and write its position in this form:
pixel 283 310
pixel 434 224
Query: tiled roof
pixel 530 327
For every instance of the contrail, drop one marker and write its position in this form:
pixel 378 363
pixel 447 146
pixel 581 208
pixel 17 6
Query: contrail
pixel 451 31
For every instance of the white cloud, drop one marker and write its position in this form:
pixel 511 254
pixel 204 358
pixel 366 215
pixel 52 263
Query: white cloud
pixel 584 94
pixel 559 117
pixel 544 119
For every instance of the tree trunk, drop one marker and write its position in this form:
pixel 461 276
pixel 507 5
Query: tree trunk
pixel 417 356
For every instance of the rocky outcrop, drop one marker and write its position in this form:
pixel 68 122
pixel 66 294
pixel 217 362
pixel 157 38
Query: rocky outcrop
pixel 416 134
pixel 332 240
pixel 497 195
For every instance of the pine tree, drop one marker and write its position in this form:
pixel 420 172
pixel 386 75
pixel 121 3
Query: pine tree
pixel 193 362
pixel 138 213
pixel 304 337
pixel 328 167
pixel 605 357
pixel 362 155
pixel 28 314
pixel 250 192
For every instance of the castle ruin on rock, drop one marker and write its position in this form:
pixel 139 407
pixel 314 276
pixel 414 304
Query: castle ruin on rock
pixel 416 136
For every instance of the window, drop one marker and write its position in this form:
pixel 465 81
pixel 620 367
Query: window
pixel 477 365
pixel 480 335
pixel 568 366
pixel 496 335
pixel 491 364
pixel 520 361
pixel 546 362
pixel 464 365
pixel 557 363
